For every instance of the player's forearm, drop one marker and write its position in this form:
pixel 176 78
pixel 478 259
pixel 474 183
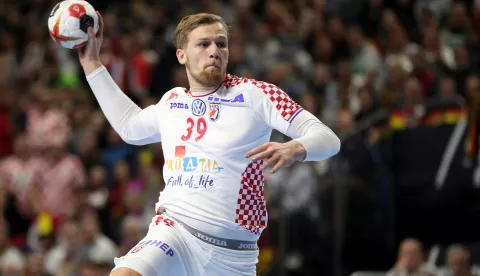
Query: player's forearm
pixel 116 106
pixel 318 140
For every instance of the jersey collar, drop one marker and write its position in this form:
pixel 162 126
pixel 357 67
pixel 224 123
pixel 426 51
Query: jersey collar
pixel 199 94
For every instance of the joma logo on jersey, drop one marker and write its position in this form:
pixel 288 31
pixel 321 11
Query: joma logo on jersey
pixel 178 106
pixel 238 99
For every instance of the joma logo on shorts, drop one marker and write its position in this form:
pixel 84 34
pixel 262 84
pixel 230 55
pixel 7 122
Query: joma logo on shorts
pixel 247 246
pixel 212 240
pixel 178 106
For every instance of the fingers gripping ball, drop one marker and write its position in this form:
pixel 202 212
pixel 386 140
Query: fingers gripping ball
pixel 69 22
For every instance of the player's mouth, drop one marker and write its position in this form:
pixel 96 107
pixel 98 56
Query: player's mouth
pixel 213 65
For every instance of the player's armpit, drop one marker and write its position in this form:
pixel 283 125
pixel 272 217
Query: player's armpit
pixel 134 125
pixel 319 141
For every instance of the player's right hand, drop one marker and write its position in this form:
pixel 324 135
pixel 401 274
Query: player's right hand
pixel 90 54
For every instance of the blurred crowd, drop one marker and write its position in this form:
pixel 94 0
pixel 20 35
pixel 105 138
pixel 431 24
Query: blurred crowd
pixel 74 196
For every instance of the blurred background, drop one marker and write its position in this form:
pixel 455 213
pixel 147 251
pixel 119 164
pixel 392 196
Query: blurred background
pixel 398 81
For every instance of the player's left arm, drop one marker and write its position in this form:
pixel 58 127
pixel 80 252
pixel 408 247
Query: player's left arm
pixel 312 140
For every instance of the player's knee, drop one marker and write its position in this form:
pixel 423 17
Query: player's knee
pixel 123 271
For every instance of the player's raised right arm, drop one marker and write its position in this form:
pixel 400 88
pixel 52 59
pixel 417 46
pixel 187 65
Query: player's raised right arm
pixel 135 125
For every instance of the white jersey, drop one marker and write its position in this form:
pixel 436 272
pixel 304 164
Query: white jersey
pixel 204 141
pixel 209 184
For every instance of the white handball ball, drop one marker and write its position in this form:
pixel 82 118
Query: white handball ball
pixel 69 21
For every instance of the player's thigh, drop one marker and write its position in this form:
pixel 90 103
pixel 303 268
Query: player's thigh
pixel 225 262
pixel 161 252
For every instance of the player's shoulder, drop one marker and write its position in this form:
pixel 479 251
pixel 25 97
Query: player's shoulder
pixel 253 87
pixel 265 95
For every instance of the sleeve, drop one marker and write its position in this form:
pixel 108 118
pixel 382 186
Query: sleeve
pixel 319 141
pixel 280 112
pixel 274 106
pixel 134 125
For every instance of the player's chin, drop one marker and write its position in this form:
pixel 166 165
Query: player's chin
pixel 213 75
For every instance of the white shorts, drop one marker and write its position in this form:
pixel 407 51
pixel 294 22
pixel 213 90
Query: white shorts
pixel 169 249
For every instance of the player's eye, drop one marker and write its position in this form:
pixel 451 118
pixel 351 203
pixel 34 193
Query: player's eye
pixel 203 44
pixel 221 44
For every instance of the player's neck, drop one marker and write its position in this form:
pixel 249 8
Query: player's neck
pixel 199 90
pixel 202 89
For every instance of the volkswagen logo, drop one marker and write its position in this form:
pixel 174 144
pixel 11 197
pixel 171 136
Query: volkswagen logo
pixel 198 107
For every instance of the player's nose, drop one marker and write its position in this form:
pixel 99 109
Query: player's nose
pixel 214 52
pixel 215 56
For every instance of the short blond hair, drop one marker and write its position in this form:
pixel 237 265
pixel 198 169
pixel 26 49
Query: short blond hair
pixel 191 22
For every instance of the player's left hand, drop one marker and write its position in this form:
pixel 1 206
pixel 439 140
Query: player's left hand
pixel 277 155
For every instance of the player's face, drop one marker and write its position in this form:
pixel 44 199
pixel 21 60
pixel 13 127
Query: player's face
pixel 206 54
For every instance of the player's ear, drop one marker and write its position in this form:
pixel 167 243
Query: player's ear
pixel 182 58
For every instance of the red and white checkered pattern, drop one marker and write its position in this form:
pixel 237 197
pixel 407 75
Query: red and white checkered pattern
pixel 231 81
pixel 282 102
pixel 251 211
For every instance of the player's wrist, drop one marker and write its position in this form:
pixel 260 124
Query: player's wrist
pixel 90 66
pixel 300 152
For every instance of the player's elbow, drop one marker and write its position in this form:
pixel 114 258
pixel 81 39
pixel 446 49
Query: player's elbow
pixel 131 141
pixel 131 137
pixel 335 144
pixel 134 142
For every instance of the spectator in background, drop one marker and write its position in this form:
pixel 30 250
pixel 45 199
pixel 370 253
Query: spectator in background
pixel 19 171
pixel 262 46
pixel 20 175
pixel 411 260
pixel 458 262
pixel 12 262
pixel 367 65
pixel 115 151
pixel 62 176
pixel 47 124
pixel 88 149
pixel 8 56
pixel 6 122
pixel 455 32
pixel 96 189
pixel 448 89
pixel 100 249
pixel 36 264
pixel 132 232
pixel 68 252
pixel 132 67
pixel 337 32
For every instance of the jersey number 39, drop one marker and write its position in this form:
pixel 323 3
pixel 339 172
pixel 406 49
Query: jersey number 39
pixel 200 128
